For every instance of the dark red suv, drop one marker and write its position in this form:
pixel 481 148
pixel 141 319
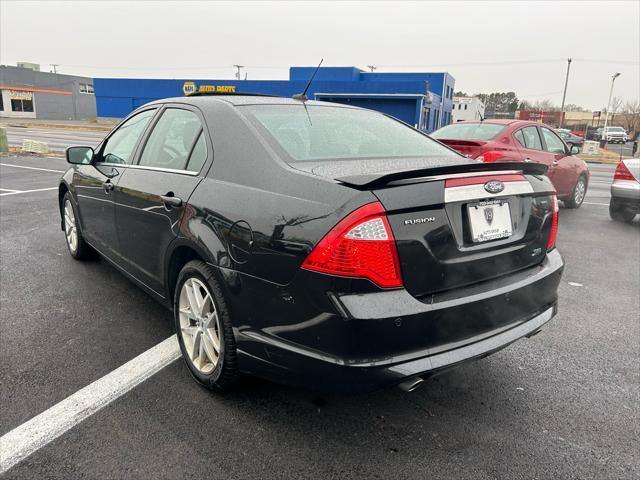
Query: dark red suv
pixel 504 140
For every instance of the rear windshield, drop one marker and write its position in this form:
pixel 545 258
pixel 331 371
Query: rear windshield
pixel 328 133
pixel 469 131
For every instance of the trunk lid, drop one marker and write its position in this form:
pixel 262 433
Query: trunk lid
pixel 438 227
pixel 436 216
pixel 468 148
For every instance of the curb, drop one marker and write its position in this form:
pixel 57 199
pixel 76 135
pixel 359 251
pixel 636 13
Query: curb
pixel 58 126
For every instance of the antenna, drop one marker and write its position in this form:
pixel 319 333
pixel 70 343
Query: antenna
pixel 372 68
pixel 303 96
pixel 55 67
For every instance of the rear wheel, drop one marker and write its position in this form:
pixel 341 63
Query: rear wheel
pixel 78 248
pixel 619 212
pixel 578 193
pixel 204 327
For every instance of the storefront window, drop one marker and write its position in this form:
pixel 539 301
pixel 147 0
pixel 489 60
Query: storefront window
pixel 21 105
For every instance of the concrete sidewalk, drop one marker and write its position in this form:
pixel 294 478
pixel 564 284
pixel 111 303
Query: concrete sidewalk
pixel 98 125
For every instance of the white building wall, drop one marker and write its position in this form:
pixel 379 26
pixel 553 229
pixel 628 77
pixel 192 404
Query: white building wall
pixel 467 108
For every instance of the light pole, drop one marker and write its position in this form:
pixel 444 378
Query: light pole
pixel 564 94
pixel 238 68
pixel 606 114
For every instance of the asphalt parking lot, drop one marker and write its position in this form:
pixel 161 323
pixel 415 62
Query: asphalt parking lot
pixel 563 404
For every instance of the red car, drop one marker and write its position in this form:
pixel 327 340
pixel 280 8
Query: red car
pixel 508 140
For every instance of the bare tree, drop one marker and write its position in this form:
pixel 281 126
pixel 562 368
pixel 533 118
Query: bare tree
pixel 616 104
pixel 630 117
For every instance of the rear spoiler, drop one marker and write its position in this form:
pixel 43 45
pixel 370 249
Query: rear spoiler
pixel 374 180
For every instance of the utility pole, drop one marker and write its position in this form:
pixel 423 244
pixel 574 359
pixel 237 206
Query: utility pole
pixel 606 114
pixel 372 68
pixel 564 95
pixel 55 67
pixel 238 67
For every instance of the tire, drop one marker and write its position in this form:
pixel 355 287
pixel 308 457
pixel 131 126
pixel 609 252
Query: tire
pixel 618 213
pixel 577 194
pixel 77 246
pixel 197 333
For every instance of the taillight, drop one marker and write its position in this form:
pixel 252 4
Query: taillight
pixel 491 156
pixel 554 223
pixel 622 172
pixel 360 245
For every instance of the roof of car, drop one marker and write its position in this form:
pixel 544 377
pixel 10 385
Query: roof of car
pixel 501 121
pixel 248 99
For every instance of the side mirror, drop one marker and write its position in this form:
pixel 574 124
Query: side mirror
pixel 574 150
pixel 79 155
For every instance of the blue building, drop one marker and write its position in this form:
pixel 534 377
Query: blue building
pixel 423 100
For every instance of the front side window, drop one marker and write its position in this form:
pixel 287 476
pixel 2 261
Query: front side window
pixel 313 132
pixel 120 145
pixel 172 140
pixel 554 144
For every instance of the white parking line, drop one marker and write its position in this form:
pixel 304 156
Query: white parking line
pixel 31 168
pixel 29 437
pixel 594 203
pixel 18 192
pixel 8 190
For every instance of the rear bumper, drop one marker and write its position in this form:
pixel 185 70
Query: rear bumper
pixel 391 336
pixel 628 189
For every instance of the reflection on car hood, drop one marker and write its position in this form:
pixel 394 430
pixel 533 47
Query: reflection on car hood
pixel 344 168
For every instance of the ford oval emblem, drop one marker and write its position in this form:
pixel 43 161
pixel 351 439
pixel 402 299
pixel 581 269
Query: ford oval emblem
pixel 494 186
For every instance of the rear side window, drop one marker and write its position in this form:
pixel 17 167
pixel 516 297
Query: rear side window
pixel 198 155
pixel 469 131
pixel 172 140
pixel 119 147
pixel 531 138
pixel 314 132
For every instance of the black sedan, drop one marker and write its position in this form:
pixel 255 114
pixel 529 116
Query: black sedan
pixel 313 243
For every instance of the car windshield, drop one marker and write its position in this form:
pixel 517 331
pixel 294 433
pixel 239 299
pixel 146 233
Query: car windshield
pixel 615 129
pixel 328 133
pixel 470 131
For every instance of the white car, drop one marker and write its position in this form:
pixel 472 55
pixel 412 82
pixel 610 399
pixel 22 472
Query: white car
pixel 616 135
pixel 625 191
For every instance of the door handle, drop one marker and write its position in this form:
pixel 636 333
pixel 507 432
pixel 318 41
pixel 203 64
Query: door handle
pixel 171 201
pixel 108 186
pixel 528 160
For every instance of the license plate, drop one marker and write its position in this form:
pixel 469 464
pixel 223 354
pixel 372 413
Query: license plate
pixel 490 220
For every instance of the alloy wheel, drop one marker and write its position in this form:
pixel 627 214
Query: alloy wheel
pixel 70 229
pixel 579 193
pixel 199 325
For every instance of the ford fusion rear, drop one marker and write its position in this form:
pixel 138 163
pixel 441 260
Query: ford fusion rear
pixel 316 244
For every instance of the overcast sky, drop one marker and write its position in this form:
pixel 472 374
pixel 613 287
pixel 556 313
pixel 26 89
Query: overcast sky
pixel 486 46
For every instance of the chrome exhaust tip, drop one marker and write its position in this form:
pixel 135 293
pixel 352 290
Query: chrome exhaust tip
pixel 411 384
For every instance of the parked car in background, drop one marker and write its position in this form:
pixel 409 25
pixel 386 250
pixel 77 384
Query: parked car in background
pixel 571 139
pixel 594 133
pixel 520 140
pixel 615 135
pixel 322 245
pixel 625 191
